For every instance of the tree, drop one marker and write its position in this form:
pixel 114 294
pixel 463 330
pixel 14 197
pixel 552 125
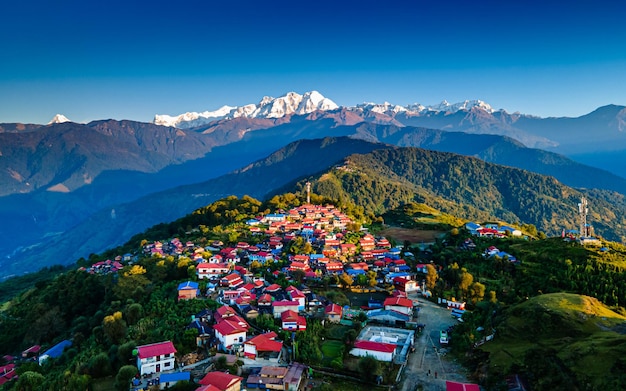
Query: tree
pixel 492 297
pixel 114 327
pixel 466 281
pixel 134 312
pixel 30 381
pixel 346 280
pixel 369 367
pixel 221 363
pixel 431 277
pixel 99 365
pixel 297 275
pixel 124 376
pixel 477 292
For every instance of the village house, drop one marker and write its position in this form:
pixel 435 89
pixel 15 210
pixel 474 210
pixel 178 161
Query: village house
pixel 264 346
pixel 232 280
pixel 188 290
pixel 220 381
pixel 280 306
pixel 381 351
pixel 156 357
pixel 296 295
pixel 399 304
pixel 206 270
pixel 277 378
pixel 333 312
pixel 291 321
pixel 405 285
pixel 230 332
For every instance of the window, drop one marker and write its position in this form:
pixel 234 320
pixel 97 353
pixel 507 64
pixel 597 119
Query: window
pixel 167 364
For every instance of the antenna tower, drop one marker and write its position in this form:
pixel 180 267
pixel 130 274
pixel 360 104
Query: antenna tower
pixel 583 210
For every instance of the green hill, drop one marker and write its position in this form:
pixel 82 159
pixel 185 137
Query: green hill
pixel 560 340
pixel 468 188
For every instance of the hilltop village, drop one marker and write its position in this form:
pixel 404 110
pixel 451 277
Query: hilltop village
pixel 297 292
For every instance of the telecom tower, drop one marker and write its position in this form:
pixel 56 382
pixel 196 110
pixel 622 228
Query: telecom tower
pixel 308 193
pixel 582 212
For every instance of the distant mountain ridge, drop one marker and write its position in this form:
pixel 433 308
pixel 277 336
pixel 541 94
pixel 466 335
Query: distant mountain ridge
pixel 376 176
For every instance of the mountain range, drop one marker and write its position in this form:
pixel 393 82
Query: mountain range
pixel 62 182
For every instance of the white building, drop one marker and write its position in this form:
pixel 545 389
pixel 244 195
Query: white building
pixel 230 333
pixel 156 357
pixel 381 351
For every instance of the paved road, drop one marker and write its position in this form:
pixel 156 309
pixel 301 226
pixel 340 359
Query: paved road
pixel 429 355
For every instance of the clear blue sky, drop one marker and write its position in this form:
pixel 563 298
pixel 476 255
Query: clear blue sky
pixel 130 60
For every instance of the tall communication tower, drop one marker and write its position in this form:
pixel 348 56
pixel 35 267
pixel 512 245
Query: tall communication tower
pixel 308 192
pixel 583 210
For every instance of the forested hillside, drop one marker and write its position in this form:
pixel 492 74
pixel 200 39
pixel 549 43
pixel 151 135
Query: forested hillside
pixel 469 188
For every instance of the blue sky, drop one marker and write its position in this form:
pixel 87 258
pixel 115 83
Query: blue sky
pixel 131 60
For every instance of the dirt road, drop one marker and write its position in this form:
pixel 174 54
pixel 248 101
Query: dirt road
pixel 429 367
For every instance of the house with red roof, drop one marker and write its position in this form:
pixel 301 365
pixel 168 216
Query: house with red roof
pixel 33 351
pixel 295 265
pixel 399 304
pixel 265 301
pixel 296 295
pixel 292 321
pixel 220 381
pixel 231 331
pixel 224 312
pixel 333 312
pixel 208 270
pixel 348 248
pixel 7 373
pixel 456 386
pixel 264 346
pixel 334 267
pixel 280 306
pixel 232 280
pixel 379 350
pixel 273 288
pixel 155 357
pixel 405 285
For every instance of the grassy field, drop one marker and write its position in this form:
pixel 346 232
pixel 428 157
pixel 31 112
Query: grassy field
pixel 412 235
pixel 581 332
pixel 331 350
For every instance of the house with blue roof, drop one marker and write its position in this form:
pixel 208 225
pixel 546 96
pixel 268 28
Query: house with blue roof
pixel 167 380
pixel 55 351
pixel 188 290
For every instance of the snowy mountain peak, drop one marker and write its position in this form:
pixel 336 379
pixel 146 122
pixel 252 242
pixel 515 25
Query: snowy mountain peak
pixel 59 119
pixel 417 108
pixel 268 107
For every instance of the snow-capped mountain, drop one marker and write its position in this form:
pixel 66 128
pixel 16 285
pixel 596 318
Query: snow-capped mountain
pixel 418 109
pixel 268 107
pixel 59 119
